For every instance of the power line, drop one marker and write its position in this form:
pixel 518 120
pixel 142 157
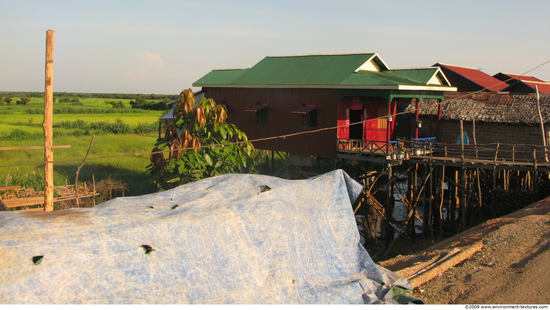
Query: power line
pixel 254 140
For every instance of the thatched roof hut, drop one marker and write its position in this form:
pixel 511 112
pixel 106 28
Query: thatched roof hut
pixel 488 107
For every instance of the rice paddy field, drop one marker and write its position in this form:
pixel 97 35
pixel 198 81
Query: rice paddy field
pixel 117 132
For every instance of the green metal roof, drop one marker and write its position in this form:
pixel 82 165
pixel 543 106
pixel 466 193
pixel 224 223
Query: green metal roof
pixel 306 70
pixel 221 76
pixel 376 78
pixel 421 75
pixel 366 70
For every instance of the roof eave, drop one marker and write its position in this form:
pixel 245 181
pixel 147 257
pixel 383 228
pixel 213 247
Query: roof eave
pixel 298 86
pixel 427 87
pixel 381 87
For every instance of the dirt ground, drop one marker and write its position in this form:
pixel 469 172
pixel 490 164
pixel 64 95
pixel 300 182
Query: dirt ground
pixel 512 267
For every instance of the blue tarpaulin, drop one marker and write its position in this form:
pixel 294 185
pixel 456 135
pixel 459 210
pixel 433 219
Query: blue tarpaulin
pixel 231 239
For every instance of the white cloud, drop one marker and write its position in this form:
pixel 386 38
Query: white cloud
pixel 148 64
pixel 151 61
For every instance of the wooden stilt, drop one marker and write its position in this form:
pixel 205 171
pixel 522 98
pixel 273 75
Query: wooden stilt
pixel 389 207
pixel 429 218
pixel 442 200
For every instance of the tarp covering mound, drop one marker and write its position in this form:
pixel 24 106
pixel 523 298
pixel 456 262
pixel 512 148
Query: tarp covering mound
pixel 245 239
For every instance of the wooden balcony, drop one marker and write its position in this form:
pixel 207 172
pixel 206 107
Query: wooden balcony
pixel 426 150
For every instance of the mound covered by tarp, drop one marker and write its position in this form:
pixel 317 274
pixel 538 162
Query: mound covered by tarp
pixel 245 239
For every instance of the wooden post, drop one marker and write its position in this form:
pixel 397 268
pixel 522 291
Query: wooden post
pixel 78 172
pixel 442 200
pixel 462 205
pixel 462 140
pixel 417 117
pixel 411 196
pixel 272 162
pixel 429 219
pixel 414 201
pixel 439 119
pixel 474 136
pixel 389 207
pixel 541 123
pixel 93 180
pixel 47 124
pixel 535 173
pixel 388 134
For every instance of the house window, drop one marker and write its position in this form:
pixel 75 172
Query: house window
pixel 309 115
pixel 260 110
pixel 310 119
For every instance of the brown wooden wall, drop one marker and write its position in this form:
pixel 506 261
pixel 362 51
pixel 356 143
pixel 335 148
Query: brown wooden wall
pixel 487 132
pixel 280 121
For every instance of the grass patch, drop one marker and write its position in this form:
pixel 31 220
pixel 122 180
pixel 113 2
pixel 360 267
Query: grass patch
pixel 129 169
pixel 117 130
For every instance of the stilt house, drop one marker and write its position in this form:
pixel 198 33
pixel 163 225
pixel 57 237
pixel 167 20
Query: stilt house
pixel 337 103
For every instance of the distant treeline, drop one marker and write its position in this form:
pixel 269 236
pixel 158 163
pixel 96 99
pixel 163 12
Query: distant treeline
pixel 93 95
pixel 82 128
pixel 71 110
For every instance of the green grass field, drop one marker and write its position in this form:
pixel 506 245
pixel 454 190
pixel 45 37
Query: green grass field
pixel 102 161
pixel 19 128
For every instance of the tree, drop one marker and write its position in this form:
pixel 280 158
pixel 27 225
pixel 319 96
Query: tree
pixel 8 100
pixel 24 101
pixel 117 105
pixel 201 144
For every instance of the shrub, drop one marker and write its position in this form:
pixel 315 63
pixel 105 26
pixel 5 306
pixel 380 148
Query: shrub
pixel 34 179
pixel 146 128
pixel 20 135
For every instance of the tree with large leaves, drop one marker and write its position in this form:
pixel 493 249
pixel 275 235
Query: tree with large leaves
pixel 201 144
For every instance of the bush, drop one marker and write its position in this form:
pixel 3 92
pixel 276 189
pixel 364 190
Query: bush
pixel 19 135
pixel 117 105
pixel 117 128
pixel 73 110
pixel 72 124
pixel 146 128
pixel 34 179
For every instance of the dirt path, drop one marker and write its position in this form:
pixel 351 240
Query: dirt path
pixel 513 266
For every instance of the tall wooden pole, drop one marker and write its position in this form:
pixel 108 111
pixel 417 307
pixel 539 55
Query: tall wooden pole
pixel 541 123
pixel 417 117
pixel 390 200
pixel 462 205
pixel 47 124
pixel 388 133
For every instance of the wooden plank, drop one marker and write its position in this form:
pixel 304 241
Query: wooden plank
pixel 10 188
pixel 16 148
pixel 444 265
pixel 74 197
pixel 28 210
pixel 23 202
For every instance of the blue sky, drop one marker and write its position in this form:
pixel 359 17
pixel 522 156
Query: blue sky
pixel 162 47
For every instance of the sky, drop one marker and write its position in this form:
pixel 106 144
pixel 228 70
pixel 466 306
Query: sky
pixel 162 47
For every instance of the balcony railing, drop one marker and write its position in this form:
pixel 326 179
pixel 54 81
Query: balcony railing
pixel 486 154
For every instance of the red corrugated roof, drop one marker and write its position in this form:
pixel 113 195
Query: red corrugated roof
pixel 522 77
pixel 544 88
pixel 477 76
